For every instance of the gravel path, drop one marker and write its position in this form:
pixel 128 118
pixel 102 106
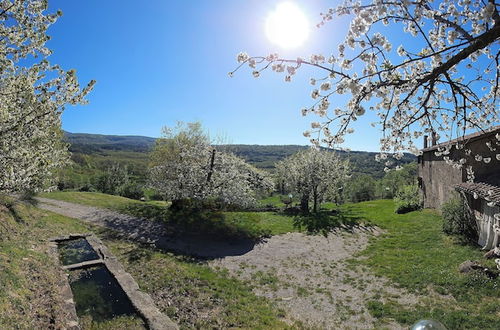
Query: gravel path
pixel 308 276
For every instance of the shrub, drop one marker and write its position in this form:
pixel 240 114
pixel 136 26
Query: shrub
pixel 408 199
pixel 456 219
pixel 131 190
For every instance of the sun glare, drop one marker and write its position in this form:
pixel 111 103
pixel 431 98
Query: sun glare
pixel 287 26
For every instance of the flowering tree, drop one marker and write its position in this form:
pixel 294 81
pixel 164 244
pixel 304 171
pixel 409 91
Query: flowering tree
pixel 32 98
pixel 443 83
pixel 184 165
pixel 315 175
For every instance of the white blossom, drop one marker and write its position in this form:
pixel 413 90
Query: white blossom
pixel 33 94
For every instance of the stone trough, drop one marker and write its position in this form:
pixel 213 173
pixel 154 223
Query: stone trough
pixel 91 253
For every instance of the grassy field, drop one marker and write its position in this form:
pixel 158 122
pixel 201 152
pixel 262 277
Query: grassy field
pixel 200 296
pixel 412 252
pixel 416 255
pixel 252 225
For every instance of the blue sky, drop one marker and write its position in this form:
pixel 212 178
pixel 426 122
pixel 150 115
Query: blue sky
pixel 157 62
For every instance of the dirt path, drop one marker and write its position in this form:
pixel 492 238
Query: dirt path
pixel 310 277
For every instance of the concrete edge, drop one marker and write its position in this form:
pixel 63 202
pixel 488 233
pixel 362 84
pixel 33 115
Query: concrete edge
pixel 141 301
pixel 65 292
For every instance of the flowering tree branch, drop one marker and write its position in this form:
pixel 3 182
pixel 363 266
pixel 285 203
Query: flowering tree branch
pixel 444 83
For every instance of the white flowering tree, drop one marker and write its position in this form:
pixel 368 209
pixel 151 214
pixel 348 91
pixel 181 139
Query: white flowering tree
pixel 185 166
pixel 32 98
pixel 443 81
pixel 315 175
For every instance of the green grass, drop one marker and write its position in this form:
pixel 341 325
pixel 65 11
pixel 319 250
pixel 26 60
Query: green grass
pixel 29 298
pixel 252 225
pixel 96 199
pixel 219 225
pixel 194 295
pixel 416 255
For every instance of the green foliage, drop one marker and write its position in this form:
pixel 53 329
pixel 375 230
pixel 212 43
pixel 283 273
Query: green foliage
pixel 92 154
pixel 408 199
pixel 131 190
pixel 395 180
pixel 360 188
pixel 112 181
pixel 456 219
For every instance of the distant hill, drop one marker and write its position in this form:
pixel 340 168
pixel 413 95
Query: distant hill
pixel 94 152
pixel 89 143
pixel 265 156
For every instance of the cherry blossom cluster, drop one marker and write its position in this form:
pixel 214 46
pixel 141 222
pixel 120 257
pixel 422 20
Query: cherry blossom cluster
pixel 443 83
pixel 314 174
pixel 32 98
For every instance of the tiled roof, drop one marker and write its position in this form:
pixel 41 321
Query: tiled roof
pixel 466 138
pixel 482 190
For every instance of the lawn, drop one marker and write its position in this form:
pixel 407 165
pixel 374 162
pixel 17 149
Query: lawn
pixel 416 255
pixel 253 225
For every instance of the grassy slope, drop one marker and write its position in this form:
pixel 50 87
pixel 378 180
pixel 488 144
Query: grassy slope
pixel 254 224
pixel 415 254
pixel 29 296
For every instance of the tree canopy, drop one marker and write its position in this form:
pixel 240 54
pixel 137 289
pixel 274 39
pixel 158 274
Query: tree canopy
pixel 315 175
pixel 185 165
pixel 32 98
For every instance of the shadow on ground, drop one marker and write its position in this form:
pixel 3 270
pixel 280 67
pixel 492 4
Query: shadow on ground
pixel 209 234
pixel 325 222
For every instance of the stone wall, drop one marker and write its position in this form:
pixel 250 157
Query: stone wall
pixel 436 178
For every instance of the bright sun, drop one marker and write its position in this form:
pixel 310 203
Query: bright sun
pixel 287 26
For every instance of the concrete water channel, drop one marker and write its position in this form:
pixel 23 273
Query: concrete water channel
pixel 98 286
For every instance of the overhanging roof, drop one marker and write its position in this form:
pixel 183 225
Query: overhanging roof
pixel 465 138
pixel 482 190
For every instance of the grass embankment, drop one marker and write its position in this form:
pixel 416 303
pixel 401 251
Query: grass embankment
pixel 29 295
pixel 415 254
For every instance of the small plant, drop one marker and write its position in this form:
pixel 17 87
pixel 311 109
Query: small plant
pixel 456 219
pixel 408 199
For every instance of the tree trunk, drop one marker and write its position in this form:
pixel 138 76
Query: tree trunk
pixel 315 200
pixel 304 203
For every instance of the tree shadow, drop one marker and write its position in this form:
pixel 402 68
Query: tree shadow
pixel 325 222
pixel 202 234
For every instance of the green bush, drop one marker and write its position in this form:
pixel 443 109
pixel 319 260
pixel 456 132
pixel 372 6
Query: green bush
pixel 456 219
pixel 131 190
pixel 408 199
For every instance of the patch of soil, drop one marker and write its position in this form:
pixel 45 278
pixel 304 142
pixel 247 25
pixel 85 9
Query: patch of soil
pixel 311 278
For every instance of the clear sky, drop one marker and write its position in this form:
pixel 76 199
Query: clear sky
pixel 161 61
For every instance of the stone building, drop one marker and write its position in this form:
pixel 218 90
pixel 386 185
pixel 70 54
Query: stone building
pixel 439 179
